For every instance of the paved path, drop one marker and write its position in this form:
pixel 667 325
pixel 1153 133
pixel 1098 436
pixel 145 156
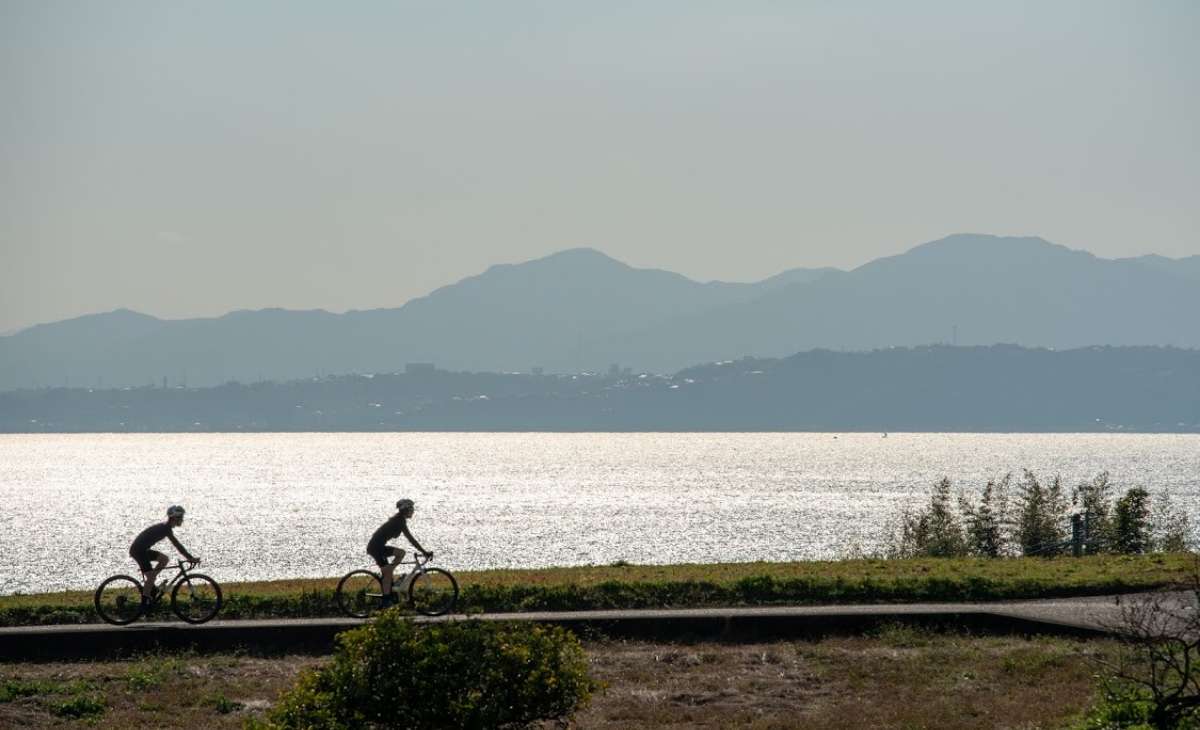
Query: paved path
pixel 1093 616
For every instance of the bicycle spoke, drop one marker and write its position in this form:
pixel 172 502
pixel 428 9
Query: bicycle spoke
pixel 196 598
pixel 358 594
pixel 433 592
pixel 119 600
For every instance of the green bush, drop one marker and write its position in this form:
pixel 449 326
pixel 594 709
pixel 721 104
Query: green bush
pixel 468 674
pixel 1131 708
pixel 80 707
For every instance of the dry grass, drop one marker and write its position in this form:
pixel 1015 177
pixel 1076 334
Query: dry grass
pixel 890 681
pixel 154 692
pixel 898 678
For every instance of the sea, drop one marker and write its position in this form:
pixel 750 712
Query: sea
pixel 272 506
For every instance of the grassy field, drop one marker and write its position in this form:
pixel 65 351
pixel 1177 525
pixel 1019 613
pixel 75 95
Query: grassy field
pixel 898 677
pixel 727 584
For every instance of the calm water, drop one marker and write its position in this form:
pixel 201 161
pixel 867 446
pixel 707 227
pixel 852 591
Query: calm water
pixel 279 505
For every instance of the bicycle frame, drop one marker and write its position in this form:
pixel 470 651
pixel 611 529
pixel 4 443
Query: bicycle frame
pixel 418 564
pixel 181 568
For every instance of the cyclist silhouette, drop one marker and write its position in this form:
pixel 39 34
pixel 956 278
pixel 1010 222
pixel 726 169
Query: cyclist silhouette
pixel 378 548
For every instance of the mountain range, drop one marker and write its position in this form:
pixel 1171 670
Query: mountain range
pixel 580 310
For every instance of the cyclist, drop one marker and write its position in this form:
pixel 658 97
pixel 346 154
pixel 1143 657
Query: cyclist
pixel 378 548
pixel 141 550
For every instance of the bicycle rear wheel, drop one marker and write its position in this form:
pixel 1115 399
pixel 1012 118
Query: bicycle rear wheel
pixel 196 598
pixel 118 600
pixel 360 593
pixel 433 592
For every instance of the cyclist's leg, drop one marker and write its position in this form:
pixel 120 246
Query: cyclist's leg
pixel 388 570
pixel 144 567
pixel 150 572
pixel 379 553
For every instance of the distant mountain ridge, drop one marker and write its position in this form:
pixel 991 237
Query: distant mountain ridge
pixel 1187 267
pixel 580 310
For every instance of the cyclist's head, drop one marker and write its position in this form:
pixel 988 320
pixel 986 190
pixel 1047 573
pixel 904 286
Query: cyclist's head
pixel 405 505
pixel 175 512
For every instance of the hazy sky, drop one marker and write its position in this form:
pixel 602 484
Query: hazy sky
pixel 187 159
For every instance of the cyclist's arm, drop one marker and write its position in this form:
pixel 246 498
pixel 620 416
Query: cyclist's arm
pixel 413 540
pixel 180 548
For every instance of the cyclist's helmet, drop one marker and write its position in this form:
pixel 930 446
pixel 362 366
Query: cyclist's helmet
pixel 174 511
pixel 404 504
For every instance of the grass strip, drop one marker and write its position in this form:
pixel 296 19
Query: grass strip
pixel 688 586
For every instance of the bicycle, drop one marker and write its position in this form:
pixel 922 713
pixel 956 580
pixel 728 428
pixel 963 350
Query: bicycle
pixel 195 597
pixel 430 591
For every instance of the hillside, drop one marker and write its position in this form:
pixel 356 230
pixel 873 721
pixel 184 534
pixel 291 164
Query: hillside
pixel 998 388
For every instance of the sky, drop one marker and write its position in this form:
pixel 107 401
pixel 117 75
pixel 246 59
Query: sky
pixel 188 159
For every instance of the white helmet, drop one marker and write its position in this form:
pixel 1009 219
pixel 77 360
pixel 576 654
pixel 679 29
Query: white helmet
pixel 175 511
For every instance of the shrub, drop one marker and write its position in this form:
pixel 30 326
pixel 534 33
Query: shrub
pixel 1155 680
pixel 468 674
pixel 80 707
pixel 933 532
pixel 985 521
pixel 1094 500
pixel 223 705
pixel 1121 708
pixel 1041 516
pixel 1131 522
pixel 1170 527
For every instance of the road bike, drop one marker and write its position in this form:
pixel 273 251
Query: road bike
pixel 430 591
pixel 195 597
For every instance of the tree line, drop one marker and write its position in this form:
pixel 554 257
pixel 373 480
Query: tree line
pixel 1035 517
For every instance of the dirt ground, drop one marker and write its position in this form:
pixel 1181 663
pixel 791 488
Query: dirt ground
pixel 898 678
pixel 895 681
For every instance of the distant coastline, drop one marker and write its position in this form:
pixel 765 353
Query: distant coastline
pixel 997 389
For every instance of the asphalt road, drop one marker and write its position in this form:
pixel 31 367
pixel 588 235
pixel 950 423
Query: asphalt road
pixel 1094 616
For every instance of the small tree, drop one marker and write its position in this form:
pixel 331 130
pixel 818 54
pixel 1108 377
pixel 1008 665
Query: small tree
pixel 1093 500
pixel 1170 528
pixel 1041 516
pixel 933 532
pixel 1155 680
pixel 984 522
pixel 1131 522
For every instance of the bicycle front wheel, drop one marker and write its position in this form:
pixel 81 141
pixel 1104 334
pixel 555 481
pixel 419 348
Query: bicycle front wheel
pixel 196 598
pixel 433 592
pixel 360 593
pixel 118 600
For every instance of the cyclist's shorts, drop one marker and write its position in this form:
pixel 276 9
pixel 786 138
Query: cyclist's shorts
pixel 146 560
pixel 381 553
